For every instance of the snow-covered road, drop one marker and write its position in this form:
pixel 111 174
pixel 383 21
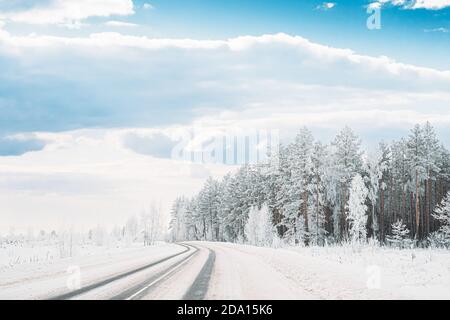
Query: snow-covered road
pixel 241 274
pixel 223 272
pixel 207 270
pixel 338 273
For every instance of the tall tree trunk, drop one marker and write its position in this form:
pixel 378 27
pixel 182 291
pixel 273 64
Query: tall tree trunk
pixel 404 206
pixel 382 215
pixel 428 205
pixel 317 212
pixel 305 212
pixel 204 229
pixel 391 212
pixel 329 219
pixel 417 206
pixel 374 221
pixel 343 214
pixel 411 211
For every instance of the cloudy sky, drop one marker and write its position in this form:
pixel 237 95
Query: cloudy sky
pixel 93 92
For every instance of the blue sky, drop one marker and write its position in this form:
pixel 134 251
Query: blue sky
pixel 402 35
pixel 94 92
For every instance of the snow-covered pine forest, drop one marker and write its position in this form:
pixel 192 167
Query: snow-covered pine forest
pixel 329 193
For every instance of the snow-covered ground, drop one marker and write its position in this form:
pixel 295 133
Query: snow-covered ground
pixel 37 277
pixel 329 273
pixel 242 272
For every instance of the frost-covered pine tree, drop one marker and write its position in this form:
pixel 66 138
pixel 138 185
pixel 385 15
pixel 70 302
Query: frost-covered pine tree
pixel 237 198
pixel 417 165
pixel 357 210
pixel 208 206
pixel 399 236
pixel 442 214
pixel 259 229
pixel 375 166
pixel 317 231
pixel 399 173
pixel 178 221
pixel 286 197
pixel 300 161
pixel 347 163
pixel 432 167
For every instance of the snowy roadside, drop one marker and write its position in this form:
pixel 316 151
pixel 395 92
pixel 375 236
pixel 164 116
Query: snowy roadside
pixel 45 278
pixel 407 274
pixel 360 273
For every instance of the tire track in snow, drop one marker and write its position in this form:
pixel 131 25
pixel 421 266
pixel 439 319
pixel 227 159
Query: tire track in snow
pixel 137 292
pixel 199 288
pixel 93 286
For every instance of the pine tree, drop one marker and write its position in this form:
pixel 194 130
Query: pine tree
pixel 416 156
pixel 348 163
pixel 399 172
pixel 357 209
pixel 208 206
pixel 300 165
pixel 375 166
pixel 178 221
pixel 287 198
pixel 317 229
pixel 431 159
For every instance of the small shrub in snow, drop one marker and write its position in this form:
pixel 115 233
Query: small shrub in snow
pixel 399 236
pixel 437 240
pixel 442 214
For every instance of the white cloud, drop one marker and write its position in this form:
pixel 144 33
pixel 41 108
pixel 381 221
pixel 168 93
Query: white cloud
pixel 441 29
pixel 87 177
pixel 431 4
pixel 148 6
pixel 69 12
pixel 135 81
pixel 414 4
pixel 375 5
pixel 326 6
pixel 114 23
pixel 307 53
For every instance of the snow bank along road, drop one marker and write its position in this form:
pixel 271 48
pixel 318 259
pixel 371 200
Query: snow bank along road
pixel 206 270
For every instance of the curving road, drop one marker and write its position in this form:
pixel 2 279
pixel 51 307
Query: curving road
pixel 202 270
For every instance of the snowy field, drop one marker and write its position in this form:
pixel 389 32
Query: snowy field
pixel 379 272
pixel 39 272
